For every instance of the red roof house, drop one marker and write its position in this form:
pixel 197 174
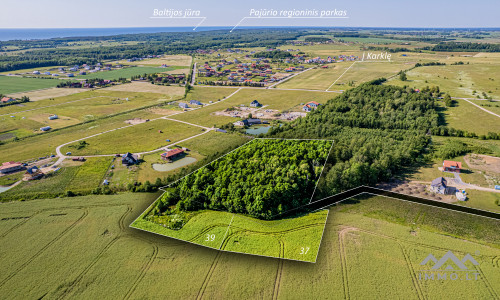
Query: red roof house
pixel 452 166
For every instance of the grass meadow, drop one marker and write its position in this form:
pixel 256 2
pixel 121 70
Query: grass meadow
pixel 11 84
pixel 138 138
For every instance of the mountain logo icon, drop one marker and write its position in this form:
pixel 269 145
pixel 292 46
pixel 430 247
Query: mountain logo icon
pixel 447 257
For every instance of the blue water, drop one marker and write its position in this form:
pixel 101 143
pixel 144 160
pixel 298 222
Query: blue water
pixel 47 33
pixel 258 130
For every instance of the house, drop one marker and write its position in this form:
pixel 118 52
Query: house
pixel 53 117
pixel 36 72
pixel 129 159
pixel 183 105
pixel 46 128
pixel 255 103
pixel 306 108
pixel 313 104
pixel 10 166
pixel 172 154
pixel 452 166
pixel 440 186
pixel 195 102
pixel 32 174
pixel 7 100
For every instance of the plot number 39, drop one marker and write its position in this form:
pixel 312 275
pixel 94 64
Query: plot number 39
pixel 210 238
pixel 304 250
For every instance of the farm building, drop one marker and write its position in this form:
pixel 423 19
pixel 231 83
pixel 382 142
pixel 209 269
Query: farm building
pixel 129 159
pixel 452 166
pixel 53 117
pixel 183 105
pixel 7 100
pixel 46 128
pixel 172 154
pixel 249 122
pixel 32 173
pixel 440 186
pixel 195 102
pixel 255 103
pixel 10 166
pixel 313 104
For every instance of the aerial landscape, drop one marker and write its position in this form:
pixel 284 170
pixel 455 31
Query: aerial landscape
pixel 303 151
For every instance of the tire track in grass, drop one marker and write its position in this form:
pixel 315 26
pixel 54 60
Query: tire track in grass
pixel 343 260
pixel 143 272
pixel 209 275
pixel 19 224
pixel 492 291
pixel 39 252
pixel 99 255
pixel 279 272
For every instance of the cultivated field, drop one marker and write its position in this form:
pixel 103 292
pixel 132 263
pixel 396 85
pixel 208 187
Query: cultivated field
pixel 125 72
pixel 78 245
pixel 169 60
pixel 146 87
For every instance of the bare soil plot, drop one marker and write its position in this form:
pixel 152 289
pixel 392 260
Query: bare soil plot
pixel 47 93
pixel 483 162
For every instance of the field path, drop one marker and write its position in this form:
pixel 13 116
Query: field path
pixel 478 106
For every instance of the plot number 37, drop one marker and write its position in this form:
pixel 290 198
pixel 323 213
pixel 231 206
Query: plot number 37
pixel 304 250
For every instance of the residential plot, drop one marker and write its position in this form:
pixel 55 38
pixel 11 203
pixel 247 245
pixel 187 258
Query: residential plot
pixel 240 219
pixel 269 98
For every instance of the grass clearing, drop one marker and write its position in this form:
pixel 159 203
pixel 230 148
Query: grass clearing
pixel 47 93
pixel 125 72
pixel 138 138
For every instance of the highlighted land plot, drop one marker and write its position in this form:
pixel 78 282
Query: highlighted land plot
pixel 238 203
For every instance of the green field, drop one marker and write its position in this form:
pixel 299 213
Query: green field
pixel 126 72
pixel 468 117
pixel 83 249
pixel 322 79
pixel 138 138
pixel 11 84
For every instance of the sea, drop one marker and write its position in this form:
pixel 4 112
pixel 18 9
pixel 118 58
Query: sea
pixel 48 33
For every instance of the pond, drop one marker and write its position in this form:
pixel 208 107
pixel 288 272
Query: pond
pixel 258 130
pixel 174 165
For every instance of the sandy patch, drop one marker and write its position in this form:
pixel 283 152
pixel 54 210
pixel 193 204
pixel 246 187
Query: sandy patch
pixel 136 121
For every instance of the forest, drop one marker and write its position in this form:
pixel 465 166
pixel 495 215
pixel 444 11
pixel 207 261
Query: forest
pixel 378 131
pixel 262 179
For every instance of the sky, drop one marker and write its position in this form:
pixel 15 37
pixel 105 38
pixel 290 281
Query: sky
pixel 135 13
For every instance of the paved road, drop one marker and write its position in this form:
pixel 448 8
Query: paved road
pixel 462 185
pixel 193 76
